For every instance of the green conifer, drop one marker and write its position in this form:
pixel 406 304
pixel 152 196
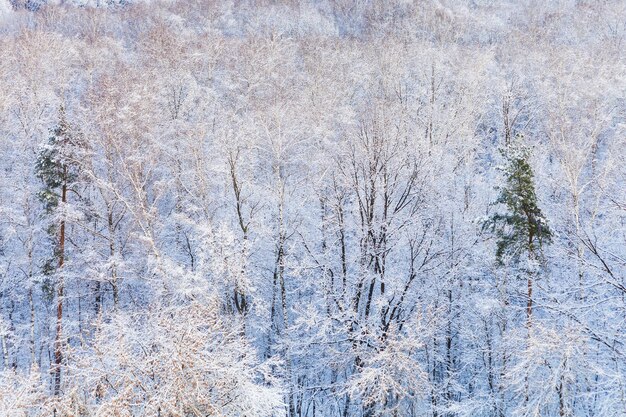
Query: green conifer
pixel 521 229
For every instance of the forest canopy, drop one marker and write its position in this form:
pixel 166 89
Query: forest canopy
pixel 335 208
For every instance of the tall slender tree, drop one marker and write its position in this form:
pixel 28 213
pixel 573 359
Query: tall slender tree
pixel 58 167
pixel 521 228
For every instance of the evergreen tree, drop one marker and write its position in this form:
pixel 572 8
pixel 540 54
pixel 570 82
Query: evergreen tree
pixel 521 229
pixel 58 166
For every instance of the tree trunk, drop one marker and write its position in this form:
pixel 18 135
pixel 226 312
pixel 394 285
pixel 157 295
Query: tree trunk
pixel 58 342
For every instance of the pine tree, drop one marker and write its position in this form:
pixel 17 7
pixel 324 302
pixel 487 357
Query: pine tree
pixel 522 228
pixel 58 166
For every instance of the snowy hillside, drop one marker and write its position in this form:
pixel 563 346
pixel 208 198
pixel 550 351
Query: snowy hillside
pixel 337 208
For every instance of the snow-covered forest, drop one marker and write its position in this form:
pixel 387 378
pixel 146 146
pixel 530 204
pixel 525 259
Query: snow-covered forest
pixel 335 208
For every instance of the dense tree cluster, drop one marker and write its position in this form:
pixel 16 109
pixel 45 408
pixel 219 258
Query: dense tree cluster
pixel 348 208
